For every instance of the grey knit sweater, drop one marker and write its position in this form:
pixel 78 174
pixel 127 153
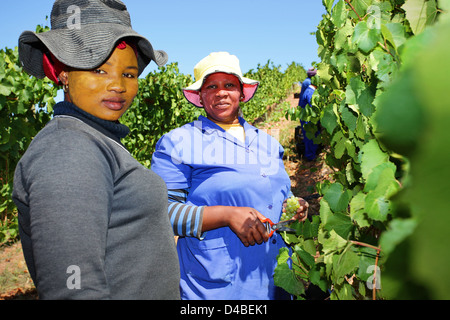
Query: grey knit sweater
pixel 93 221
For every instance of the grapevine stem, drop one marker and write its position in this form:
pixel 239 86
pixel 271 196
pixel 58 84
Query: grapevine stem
pixel 386 49
pixel 365 245
pixel 374 287
pixel 300 266
pixel 354 10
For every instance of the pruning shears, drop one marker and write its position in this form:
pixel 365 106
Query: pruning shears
pixel 280 226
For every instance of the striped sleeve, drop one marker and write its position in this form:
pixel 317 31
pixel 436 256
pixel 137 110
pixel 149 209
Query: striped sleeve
pixel 186 220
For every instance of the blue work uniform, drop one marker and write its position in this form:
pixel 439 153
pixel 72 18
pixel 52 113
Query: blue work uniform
pixel 305 84
pixel 305 98
pixel 218 169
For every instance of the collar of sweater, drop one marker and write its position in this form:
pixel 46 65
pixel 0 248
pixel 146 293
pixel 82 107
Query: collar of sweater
pixel 112 128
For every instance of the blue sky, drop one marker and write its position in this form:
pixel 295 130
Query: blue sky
pixel 254 30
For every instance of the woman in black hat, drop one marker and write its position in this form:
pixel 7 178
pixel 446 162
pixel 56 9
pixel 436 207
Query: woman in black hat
pixel 93 221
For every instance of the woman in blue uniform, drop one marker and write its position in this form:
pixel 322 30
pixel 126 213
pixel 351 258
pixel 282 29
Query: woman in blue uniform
pixel 223 177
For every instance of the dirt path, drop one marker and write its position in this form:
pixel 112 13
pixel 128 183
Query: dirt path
pixel 304 174
pixel 16 284
pixel 15 281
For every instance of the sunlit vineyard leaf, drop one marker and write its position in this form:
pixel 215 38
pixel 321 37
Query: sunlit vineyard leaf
pixel 359 94
pixel 333 243
pixel 398 231
pixel 366 38
pixel 420 13
pixel 284 277
pixel 344 264
pixel 329 119
pixel 371 156
pixel 395 33
pixel 377 206
pixel 339 14
pixel 340 223
pixel 357 210
pixel 382 180
pixel 400 117
pixel 337 197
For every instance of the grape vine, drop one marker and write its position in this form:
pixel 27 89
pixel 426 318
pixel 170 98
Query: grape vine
pixel 364 46
pixel 24 102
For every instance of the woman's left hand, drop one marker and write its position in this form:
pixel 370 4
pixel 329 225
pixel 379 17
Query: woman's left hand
pixel 302 211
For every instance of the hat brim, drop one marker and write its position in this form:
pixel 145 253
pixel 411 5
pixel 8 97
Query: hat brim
pixel 84 49
pixel 192 93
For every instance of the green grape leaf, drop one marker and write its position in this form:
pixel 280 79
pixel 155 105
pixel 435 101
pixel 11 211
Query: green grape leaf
pixel 305 256
pixel 394 33
pixel 328 4
pixel 371 156
pixel 333 243
pixel 284 277
pixel 359 94
pixel 398 230
pixel 316 277
pixel 377 206
pixel 357 210
pixel 340 223
pixel 339 14
pixel 367 258
pixel 349 117
pixel 399 116
pixel 366 38
pixel 337 197
pixel 344 264
pixel 420 13
pixel 329 119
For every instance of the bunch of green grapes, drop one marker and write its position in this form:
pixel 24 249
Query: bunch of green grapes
pixel 291 208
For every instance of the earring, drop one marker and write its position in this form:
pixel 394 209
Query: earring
pixel 66 88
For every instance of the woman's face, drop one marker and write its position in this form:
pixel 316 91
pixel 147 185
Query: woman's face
pixel 220 95
pixel 108 91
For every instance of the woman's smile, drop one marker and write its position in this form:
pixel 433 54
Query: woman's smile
pixel 222 105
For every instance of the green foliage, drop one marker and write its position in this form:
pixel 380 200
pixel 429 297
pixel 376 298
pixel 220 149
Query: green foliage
pixel 274 86
pixel 24 102
pixel 158 108
pixel 373 123
pixel 417 267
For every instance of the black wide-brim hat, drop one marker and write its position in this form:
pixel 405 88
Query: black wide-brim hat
pixel 83 35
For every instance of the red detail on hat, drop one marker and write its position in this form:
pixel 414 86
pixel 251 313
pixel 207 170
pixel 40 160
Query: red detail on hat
pixel 52 67
pixel 123 45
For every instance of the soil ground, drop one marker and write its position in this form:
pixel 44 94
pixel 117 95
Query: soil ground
pixel 16 284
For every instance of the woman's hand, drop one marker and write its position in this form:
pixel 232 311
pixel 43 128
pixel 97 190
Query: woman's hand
pixel 302 211
pixel 245 222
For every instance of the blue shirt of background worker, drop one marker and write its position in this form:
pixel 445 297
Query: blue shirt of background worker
pixel 306 94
